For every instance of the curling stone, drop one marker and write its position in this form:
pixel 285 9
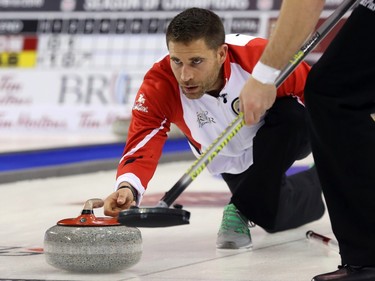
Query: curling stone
pixel 91 244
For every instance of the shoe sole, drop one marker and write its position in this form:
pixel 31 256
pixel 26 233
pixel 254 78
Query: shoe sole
pixel 232 246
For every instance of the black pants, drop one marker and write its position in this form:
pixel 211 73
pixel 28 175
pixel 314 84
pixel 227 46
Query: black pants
pixel 340 96
pixel 263 192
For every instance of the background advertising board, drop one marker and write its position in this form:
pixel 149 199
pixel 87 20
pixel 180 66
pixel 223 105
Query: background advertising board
pixel 76 65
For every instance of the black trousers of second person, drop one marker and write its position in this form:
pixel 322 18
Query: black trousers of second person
pixel 263 193
pixel 340 99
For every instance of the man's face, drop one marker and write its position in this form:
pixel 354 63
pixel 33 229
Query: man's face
pixel 196 67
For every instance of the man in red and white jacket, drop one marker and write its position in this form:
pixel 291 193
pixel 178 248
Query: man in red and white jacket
pixel 197 88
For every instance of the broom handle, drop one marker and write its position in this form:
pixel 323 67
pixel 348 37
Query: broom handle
pixel 219 143
pixel 323 240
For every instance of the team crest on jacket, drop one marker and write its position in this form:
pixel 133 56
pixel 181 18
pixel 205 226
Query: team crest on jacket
pixel 236 105
pixel 139 104
pixel 203 118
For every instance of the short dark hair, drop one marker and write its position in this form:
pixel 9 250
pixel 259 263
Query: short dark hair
pixel 196 23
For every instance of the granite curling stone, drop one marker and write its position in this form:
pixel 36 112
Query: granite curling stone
pixel 91 244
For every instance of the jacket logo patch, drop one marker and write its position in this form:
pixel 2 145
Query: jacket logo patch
pixel 139 104
pixel 203 118
pixel 236 106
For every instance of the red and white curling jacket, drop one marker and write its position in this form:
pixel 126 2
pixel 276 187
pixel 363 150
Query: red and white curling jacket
pixel 160 102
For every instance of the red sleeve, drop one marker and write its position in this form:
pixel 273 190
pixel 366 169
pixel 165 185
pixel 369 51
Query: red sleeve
pixel 151 116
pixel 248 56
pixel 295 83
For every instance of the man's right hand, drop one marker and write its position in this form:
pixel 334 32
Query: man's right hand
pixel 255 99
pixel 118 201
